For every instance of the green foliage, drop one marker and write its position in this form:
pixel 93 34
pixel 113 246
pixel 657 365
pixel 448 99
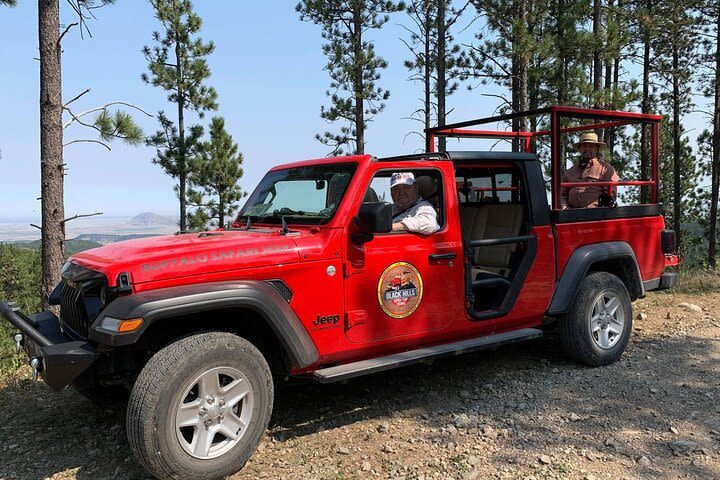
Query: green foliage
pixel 181 76
pixel 19 282
pixel 118 125
pixel 214 176
pixel 167 144
pixel 352 64
pixel 9 3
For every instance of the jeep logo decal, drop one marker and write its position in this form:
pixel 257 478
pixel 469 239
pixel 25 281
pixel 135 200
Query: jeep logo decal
pixel 400 290
pixel 325 322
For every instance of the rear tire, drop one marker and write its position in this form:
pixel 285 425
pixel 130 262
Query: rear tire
pixel 200 407
pixel 597 328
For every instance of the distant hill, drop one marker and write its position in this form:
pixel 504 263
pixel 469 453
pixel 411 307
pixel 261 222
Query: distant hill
pixel 149 218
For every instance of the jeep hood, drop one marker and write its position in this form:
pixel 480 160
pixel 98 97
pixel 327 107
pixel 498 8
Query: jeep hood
pixel 167 257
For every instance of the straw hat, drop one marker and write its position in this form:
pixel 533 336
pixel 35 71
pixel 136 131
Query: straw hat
pixel 589 137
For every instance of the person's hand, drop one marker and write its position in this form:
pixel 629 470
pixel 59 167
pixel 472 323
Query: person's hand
pixel 398 227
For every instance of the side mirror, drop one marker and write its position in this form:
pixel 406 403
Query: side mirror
pixel 373 218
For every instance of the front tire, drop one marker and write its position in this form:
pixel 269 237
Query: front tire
pixel 597 328
pixel 200 407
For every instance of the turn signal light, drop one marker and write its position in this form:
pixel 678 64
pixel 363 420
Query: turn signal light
pixel 129 325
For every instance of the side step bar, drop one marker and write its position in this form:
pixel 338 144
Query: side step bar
pixel 373 365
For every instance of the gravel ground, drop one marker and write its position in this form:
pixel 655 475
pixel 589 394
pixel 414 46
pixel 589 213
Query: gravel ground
pixel 520 411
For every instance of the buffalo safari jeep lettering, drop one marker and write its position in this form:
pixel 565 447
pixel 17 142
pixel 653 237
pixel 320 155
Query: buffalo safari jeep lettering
pixel 212 257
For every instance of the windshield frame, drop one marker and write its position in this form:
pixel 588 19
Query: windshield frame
pixel 322 171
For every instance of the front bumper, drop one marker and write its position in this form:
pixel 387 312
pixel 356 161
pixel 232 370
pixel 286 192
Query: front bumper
pixel 59 358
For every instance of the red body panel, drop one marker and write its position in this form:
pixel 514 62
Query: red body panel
pixel 642 234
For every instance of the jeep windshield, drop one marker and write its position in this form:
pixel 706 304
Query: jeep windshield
pixel 307 195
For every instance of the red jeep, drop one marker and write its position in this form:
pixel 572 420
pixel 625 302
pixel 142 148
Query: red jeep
pixel 310 281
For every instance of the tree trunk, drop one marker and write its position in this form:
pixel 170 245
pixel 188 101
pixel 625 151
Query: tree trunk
pixel 597 61
pixel 427 66
pixel 519 67
pixel 715 171
pixel 514 77
pixel 644 129
pixel 441 63
pixel 561 74
pixel 51 153
pixel 182 161
pixel 358 81
pixel 677 194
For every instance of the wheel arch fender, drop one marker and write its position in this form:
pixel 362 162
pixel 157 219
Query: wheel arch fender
pixel 160 304
pixel 617 258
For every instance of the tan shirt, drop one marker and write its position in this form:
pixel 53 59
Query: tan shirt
pixel 586 197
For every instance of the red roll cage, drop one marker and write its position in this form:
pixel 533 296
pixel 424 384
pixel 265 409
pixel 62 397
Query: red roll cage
pixel 606 118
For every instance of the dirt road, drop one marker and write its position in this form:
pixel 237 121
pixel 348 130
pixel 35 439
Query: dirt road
pixel 522 411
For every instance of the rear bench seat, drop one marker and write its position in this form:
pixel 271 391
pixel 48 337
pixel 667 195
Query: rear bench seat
pixel 491 221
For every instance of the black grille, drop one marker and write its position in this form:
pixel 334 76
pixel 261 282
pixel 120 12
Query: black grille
pixel 73 313
pixel 282 289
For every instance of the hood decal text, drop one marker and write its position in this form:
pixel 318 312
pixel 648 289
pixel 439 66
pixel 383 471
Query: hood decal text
pixel 211 257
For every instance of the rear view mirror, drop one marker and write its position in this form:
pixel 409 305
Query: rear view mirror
pixel 373 218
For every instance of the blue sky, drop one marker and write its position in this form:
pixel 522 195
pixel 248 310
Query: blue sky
pixel 267 68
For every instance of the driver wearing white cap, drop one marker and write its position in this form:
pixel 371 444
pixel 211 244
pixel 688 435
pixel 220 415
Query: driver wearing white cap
pixel 410 212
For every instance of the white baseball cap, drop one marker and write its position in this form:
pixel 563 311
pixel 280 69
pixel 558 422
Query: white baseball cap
pixel 402 178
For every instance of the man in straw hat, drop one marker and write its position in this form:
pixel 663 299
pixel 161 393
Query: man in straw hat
pixel 589 168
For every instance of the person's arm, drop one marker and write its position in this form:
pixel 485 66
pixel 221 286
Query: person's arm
pixel 564 194
pixel 424 221
pixel 611 176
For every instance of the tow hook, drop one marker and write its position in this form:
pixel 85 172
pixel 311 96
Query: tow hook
pixel 18 342
pixel 35 364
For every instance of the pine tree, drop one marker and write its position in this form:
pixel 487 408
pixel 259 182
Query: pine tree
pixel 434 60
pixel 675 43
pixel 177 64
pixel 710 78
pixel 214 175
pixel 421 45
pixel 353 65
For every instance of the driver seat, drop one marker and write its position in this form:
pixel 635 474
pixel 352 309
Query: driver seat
pixel 428 190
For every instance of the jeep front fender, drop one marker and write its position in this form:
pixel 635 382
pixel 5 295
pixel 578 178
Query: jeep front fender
pixel 581 261
pixel 162 303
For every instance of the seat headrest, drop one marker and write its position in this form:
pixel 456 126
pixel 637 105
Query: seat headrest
pixel 427 186
pixel 370 196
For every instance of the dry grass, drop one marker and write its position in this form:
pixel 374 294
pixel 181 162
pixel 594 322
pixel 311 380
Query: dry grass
pixel 697 282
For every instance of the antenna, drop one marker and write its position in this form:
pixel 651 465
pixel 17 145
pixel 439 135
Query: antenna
pixel 284 226
pixel 248 224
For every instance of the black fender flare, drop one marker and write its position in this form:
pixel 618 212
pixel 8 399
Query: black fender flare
pixel 580 263
pixel 158 304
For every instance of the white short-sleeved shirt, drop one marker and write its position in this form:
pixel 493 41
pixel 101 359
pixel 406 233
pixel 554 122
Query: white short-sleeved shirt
pixel 420 218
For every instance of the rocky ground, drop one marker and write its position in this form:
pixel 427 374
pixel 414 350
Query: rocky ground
pixel 522 411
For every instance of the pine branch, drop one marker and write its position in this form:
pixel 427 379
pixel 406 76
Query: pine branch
pixel 67 29
pixel 87 141
pixel 76 117
pixel 80 215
